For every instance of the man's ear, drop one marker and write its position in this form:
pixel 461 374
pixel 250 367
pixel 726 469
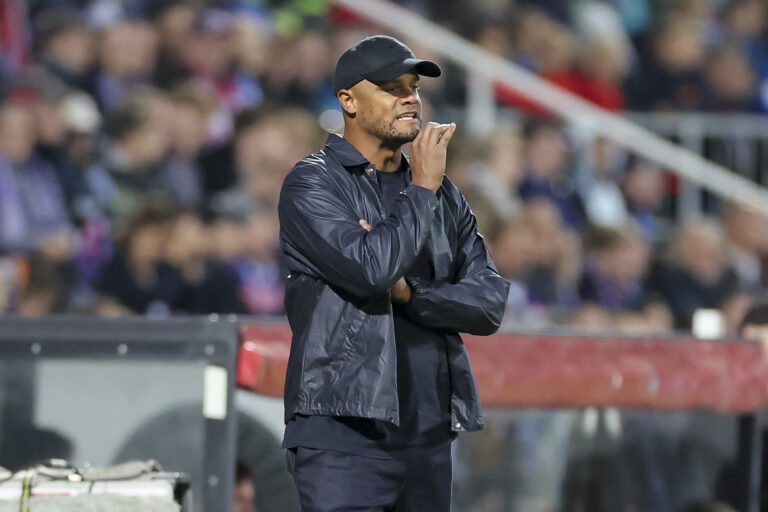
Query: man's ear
pixel 348 102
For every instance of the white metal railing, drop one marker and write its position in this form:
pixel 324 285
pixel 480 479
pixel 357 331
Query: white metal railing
pixel 486 67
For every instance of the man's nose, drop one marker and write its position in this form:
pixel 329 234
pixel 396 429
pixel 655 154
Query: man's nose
pixel 411 98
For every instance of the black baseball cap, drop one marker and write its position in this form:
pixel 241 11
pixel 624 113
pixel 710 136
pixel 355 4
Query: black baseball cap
pixel 378 59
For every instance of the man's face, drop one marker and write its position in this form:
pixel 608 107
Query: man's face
pixel 390 111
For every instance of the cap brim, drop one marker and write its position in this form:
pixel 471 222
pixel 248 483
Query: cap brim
pixel 397 69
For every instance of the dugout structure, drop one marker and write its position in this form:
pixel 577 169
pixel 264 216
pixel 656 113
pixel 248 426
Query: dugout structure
pixel 81 388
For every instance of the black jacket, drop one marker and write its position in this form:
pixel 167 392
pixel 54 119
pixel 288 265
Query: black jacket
pixel 343 355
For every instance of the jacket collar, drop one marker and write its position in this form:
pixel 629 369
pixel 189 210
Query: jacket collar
pixel 348 155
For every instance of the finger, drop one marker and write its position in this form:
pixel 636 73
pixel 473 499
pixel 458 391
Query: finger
pixel 437 130
pixel 441 131
pixel 365 225
pixel 448 134
pixel 424 133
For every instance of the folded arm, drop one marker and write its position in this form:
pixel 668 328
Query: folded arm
pixel 322 233
pixel 475 300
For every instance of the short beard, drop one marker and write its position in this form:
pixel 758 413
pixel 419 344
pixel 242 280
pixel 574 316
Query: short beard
pixel 387 132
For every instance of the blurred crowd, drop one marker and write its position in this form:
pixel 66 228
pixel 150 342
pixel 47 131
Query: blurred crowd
pixel 143 145
pixel 627 54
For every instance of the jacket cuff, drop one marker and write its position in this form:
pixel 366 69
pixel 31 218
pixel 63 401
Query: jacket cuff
pixel 418 290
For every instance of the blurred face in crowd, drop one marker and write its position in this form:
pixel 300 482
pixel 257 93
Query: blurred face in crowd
pixel 555 52
pixel 700 249
pixel 625 261
pixel 546 153
pixel 210 53
pixel 128 49
pixel 72 49
pixel 644 186
pixel 678 46
pixel 146 144
pixel 606 58
pixel 227 240
pixel 546 223
pixel 513 249
pixel 747 18
pixel 186 240
pixel 251 46
pixel 387 111
pixel 495 40
pixel 17 133
pixel 188 129
pixel 730 75
pixel 146 245
pixel 262 154
pixel 533 28
pixel 312 57
pixel 175 24
pixel 506 157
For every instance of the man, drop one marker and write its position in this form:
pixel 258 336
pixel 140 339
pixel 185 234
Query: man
pixel 386 267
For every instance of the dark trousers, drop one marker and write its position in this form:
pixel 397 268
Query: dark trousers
pixel 330 481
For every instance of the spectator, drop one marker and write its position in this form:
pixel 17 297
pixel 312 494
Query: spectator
pixel 512 247
pixel 174 21
pixel 605 57
pixel 210 56
pixel 697 274
pixel 311 87
pixel 137 276
pixel 615 268
pixel 673 65
pixel 65 47
pixel 489 173
pixel 263 288
pixel 546 171
pixel 33 213
pixel 643 189
pixel 557 262
pixel 130 163
pixel 45 94
pixel 127 56
pixel 182 173
pixel 731 80
pixel 209 286
pixel 263 150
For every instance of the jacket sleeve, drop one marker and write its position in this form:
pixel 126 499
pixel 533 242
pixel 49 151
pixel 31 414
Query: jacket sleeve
pixel 475 301
pixel 320 231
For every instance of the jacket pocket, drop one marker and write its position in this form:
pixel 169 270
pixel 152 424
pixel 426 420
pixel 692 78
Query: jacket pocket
pixel 332 334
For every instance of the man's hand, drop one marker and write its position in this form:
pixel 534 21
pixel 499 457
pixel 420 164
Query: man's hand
pixel 428 152
pixel 401 292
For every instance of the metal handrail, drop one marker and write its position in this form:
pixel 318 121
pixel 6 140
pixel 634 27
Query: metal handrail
pixel 584 115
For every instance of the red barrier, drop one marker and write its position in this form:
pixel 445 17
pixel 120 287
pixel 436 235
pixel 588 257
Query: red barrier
pixel 546 370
